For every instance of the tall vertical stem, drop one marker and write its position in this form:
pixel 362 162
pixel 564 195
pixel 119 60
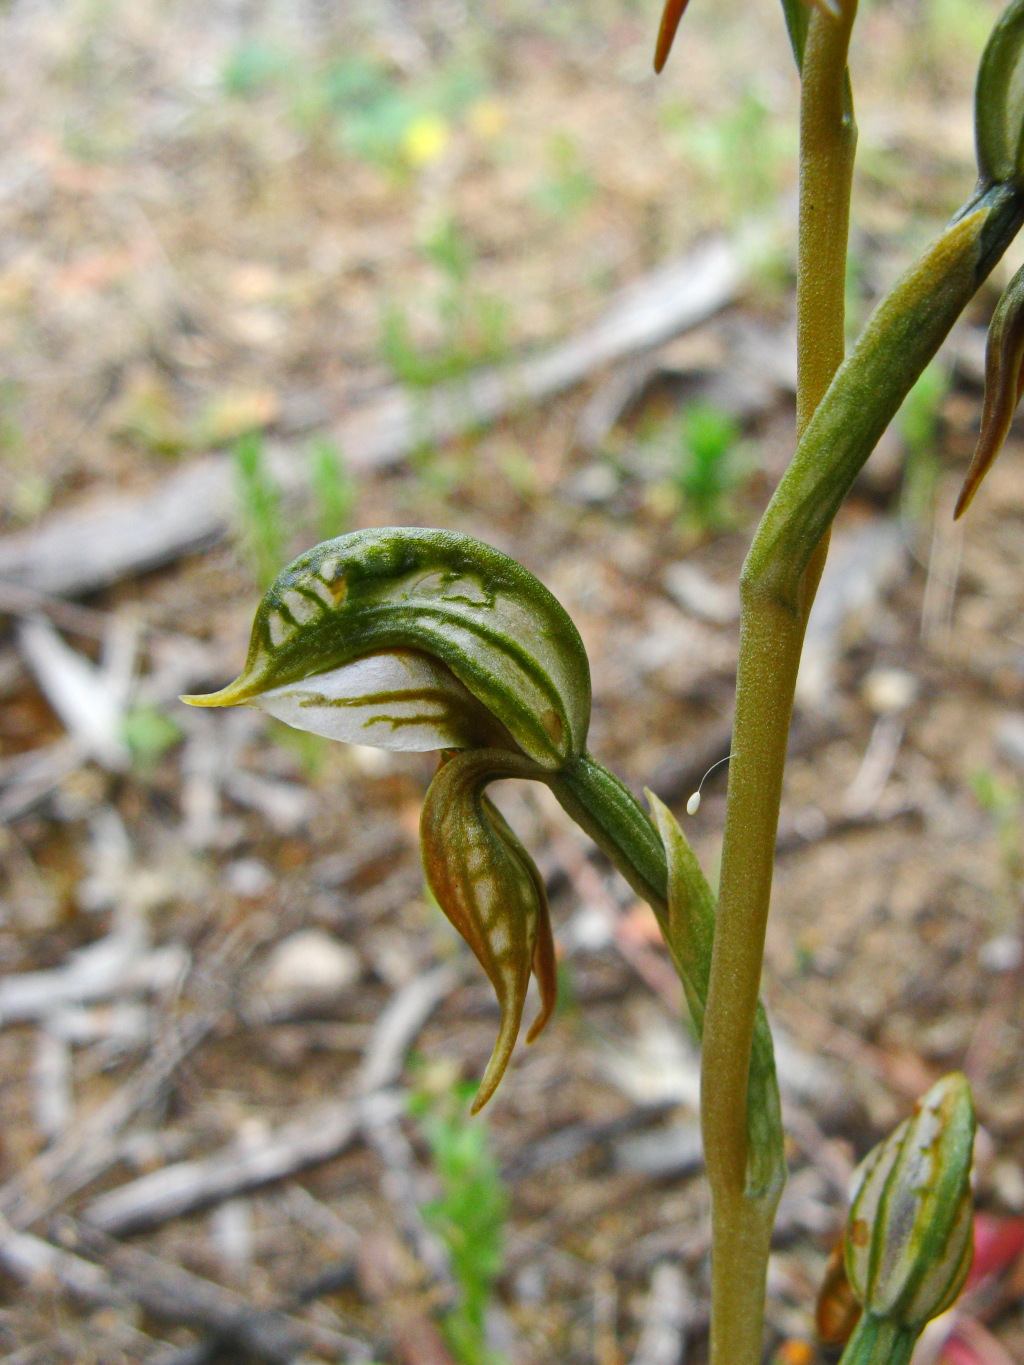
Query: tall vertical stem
pixel 771 638
pixel 828 140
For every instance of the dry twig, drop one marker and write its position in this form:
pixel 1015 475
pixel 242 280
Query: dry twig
pixel 89 547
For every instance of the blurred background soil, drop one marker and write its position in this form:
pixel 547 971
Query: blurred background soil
pixel 235 1036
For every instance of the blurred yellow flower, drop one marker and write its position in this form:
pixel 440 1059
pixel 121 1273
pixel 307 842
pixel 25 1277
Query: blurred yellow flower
pixel 426 139
pixel 487 118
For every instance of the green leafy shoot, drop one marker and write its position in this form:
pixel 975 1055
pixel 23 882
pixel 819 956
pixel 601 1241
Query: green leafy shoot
pixel 567 186
pixel 259 506
pixel 332 488
pixel 469 1216
pixel 252 68
pixel 449 249
pixel 379 116
pixel 1003 802
pixel 473 326
pixel 918 424
pixel 707 470
pixel 741 153
pixel 149 733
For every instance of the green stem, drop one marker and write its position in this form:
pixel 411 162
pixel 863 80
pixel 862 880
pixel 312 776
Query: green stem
pixel 655 858
pixel 828 144
pixel 877 1341
pixel 775 589
pixel 609 812
pixel 771 639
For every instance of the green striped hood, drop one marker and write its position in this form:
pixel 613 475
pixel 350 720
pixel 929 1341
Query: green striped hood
pixel 477 616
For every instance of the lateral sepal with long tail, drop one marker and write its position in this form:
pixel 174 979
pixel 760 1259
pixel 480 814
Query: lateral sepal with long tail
pixel 1004 385
pixel 488 886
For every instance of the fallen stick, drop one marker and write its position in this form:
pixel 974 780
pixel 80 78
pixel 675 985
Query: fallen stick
pixel 187 1185
pixel 398 1025
pixel 176 1295
pixel 36 1262
pixel 319 1136
pixel 111 968
pixel 91 1147
pixel 29 777
pixel 89 547
pixel 129 1275
pixel 666 1317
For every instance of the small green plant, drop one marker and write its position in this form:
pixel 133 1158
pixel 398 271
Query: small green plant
pixel 417 639
pixel 707 469
pixel 259 506
pixel 469 1215
pixel 473 325
pixel 149 733
pixel 26 491
pixel 918 423
pixel 740 153
pixel 332 488
pixel 1003 801
pixel 252 68
pixel 567 186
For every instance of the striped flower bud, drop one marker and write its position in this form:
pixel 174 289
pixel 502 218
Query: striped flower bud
pixel 487 884
pixel 1004 385
pixel 417 639
pixel 999 100
pixel 909 1240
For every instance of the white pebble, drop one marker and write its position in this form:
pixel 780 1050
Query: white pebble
pixel 1001 954
pixel 887 690
pixel 248 878
pixel 308 966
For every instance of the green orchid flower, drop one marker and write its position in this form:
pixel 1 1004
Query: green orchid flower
pixel 412 639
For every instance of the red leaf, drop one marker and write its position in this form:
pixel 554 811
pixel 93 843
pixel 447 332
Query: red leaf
pixel 998 1242
pixel 971 1344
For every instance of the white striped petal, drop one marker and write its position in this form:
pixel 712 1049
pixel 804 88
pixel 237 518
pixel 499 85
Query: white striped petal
pixel 400 700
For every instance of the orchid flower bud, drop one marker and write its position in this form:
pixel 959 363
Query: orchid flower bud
pixel 999 100
pixel 909 1241
pixel 417 639
pixel 488 886
pixel 1004 384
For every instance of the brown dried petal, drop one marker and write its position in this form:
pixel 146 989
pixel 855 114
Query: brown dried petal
pixel 837 1310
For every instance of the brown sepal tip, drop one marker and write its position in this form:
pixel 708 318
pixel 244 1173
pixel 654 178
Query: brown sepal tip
pixel 670 18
